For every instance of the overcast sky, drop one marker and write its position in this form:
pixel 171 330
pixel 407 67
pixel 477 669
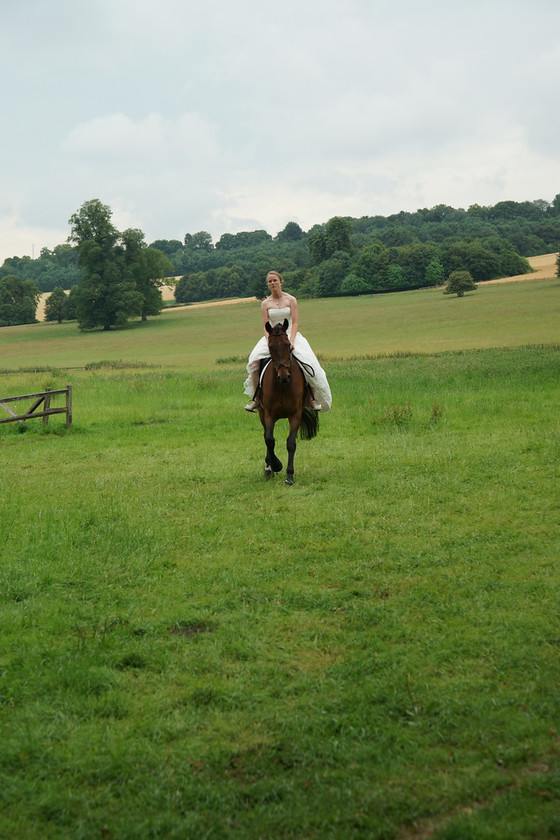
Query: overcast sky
pixel 229 115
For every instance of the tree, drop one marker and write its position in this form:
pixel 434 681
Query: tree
pixel 337 236
pixel 504 210
pixel 316 242
pixel 511 263
pixel 354 285
pixel 107 294
pixel 372 264
pixel 192 287
pixel 554 208
pixel 459 282
pixel 226 242
pixel 291 233
pixel 92 223
pixel 243 239
pixel 168 246
pixel 435 273
pixel 146 268
pixel 473 257
pixel 55 305
pixel 558 265
pixel 58 267
pixel 398 235
pixel 478 211
pixel 201 241
pixel 439 213
pixel 16 267
pixel 70 306
pixel 541 206
pixel 229 281
pixel 415 260
pixel 395 277
pixel 18 301
pixel 332 273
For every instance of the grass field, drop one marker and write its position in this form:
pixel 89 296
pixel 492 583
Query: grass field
pixel 423 321
pixel 187 651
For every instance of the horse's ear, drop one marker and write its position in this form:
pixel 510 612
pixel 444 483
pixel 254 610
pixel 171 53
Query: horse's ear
pixel 267 327
pixel 286 324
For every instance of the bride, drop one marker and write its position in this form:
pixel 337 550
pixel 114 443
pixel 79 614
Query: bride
pixel 274 309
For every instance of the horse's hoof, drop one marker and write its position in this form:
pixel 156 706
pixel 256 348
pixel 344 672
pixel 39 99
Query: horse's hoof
pixel 289 480
pixel 268 473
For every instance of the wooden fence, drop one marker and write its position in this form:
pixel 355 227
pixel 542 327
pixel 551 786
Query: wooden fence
pixel 42 400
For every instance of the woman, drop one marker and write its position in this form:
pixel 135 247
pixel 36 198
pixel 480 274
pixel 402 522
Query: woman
pixel 274 309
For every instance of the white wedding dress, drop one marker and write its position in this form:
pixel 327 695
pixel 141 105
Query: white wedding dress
pixel 314 373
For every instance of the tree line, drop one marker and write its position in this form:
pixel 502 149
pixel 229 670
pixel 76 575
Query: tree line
pixel 348 256
pixel 114 276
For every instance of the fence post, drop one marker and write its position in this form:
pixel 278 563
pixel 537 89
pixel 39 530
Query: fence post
pixel 68 406
pixel 46 406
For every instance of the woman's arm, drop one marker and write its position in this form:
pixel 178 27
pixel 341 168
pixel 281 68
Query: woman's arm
pixel 264 314
pixel 295 319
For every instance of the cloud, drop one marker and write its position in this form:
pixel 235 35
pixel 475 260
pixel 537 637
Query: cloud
pixel 226 116
pixel 18 238
pixel 116 138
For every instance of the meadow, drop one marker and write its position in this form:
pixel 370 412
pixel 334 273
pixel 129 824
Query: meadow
pixel 188 651
pixel 423 321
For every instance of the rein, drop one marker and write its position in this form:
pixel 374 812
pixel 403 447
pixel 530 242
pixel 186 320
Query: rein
pixel 306 368
pixel 276 332
pixel 278 366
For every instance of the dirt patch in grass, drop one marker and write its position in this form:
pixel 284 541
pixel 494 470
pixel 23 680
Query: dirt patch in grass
pixel 227 302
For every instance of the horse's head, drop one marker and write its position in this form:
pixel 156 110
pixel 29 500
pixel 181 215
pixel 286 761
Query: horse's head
pixel 280 350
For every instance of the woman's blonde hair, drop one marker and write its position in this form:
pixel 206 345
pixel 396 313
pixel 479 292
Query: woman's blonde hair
pixel 276 274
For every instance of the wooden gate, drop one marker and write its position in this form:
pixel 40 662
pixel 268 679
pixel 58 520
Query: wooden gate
pixel 42 401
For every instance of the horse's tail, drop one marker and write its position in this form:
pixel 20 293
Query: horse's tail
pixel 309 425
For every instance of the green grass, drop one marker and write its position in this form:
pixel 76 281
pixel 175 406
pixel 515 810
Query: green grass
pixel 423 321
pixel 188 651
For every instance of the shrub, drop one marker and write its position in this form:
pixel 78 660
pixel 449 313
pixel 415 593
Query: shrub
pixel 459 282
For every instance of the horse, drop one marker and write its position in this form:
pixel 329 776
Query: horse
pixel 282 395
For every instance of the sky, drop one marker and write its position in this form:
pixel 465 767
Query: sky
pixel 231 115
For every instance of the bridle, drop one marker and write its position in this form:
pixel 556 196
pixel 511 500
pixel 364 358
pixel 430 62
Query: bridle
pixel 280 365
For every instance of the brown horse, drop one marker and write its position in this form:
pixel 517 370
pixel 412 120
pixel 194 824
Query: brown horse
pixel 283 394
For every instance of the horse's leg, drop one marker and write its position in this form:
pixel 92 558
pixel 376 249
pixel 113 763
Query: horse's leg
pixel 299 395
pixel 291 447
pixel 272 462
pixel 267 468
